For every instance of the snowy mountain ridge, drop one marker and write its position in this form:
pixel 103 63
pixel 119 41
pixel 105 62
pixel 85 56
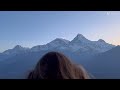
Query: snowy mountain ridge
pixel 79 43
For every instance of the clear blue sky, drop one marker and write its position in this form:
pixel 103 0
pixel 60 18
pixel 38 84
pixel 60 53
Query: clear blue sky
pixel 30 28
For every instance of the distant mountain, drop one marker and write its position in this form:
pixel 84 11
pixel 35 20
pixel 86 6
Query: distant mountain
pixel 57 43
pixel 16 62
pixel 79 39
pixel 12 52
pixel 79 44
pixel 16 50
pixel 19 65
pixel 106 65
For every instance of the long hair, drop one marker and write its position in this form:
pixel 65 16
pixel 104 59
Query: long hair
pixel 55 65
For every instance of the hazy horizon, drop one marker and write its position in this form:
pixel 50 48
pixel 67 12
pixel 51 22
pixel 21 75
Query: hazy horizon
pixel 30 28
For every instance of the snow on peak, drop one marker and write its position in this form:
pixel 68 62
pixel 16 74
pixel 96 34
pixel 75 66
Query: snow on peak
pixel 18 47
pixel 58 41
pixel 62 40
pixel 101 40
pixel 39 47
pixel 79 37
pixel 78 43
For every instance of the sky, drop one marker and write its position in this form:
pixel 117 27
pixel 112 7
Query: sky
pixel 31 28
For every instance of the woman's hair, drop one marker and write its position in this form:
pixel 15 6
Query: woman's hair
pixel 55 65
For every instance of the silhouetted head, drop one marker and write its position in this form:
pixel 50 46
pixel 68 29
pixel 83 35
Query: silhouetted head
pixel 55 65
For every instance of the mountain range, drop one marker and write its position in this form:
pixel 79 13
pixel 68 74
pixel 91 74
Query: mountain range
pixel 79 44
pixel 95 56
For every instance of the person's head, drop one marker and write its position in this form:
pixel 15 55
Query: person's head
pixel 55 65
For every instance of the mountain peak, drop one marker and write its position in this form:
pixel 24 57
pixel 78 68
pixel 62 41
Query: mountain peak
pixel 60 40
pixel 101 40
pixel 18 47
pixel 79 37
pixel 57 42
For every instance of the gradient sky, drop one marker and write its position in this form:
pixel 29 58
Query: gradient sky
pixel 30 28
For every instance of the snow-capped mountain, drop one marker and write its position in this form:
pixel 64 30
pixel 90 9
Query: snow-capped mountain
pixel 57 43
pixel 80 39
pixel 38 48
pixel 12 52
pixel 16 62
pixel 79 44
pixel 16 50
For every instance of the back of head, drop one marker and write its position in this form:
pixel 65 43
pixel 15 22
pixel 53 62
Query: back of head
pixel 55 65
pixel 80 72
